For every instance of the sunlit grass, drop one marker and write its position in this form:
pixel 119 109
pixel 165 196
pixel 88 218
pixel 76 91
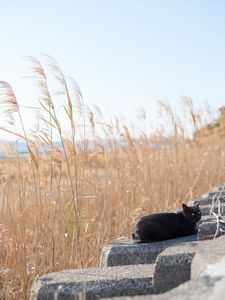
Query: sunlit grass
pixel 58 208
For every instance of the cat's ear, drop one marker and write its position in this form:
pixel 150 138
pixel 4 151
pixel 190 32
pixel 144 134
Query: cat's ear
pixel 197 204
pixel 184 206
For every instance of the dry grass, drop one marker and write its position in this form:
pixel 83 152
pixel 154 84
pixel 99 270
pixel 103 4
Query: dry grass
pixel 57 209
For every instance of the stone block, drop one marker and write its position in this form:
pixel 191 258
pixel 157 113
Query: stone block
pixel 94 283
pixel 206 209
pixel 207 230
pixel 203 288
pixel 216 269
pixel 173 267
pixel 128 253
pixel 208 252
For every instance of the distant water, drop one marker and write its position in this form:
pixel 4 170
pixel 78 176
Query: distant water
pixel 10 149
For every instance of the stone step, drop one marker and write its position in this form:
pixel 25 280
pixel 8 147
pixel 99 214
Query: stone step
pixel 206 209
pixel 203 288
pixel 206 269
pixel 128 253
pixel 208 252
pixel 173 266
pixel 207 229
pixel 210 228
pixel 94 283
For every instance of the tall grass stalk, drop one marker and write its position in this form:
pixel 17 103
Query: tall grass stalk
pixel 60 205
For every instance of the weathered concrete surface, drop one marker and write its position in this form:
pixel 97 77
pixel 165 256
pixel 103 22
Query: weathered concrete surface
pixel 215 269
pixel 207 209
pixel 207 229
pixel 204 288
pixel 173 267
pixel 94 283
pixel 129 253
pixel 208 252
pixel 209 286
pixel 210 228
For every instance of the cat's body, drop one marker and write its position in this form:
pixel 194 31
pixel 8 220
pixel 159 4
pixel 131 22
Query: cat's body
pixel 164 226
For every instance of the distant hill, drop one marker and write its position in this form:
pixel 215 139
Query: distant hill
pixel 215 128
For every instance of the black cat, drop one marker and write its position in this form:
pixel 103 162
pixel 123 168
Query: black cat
pixel 164 226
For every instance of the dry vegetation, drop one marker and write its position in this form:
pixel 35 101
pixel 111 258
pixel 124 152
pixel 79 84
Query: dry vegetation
pixel 59 207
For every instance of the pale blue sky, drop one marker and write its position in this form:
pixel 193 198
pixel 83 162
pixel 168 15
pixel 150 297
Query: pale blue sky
pixel 124 54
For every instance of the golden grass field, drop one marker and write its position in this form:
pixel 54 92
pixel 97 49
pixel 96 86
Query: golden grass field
pixel 58 209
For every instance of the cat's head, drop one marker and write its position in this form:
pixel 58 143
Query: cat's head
pixel 192 213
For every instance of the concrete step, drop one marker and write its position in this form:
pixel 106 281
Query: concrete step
pixel 208 252
pixel 126 252
pixel 203 288
pixel 206 209
pixel 205 266
pixel 94 283
pixel 210 228
pixel 173 266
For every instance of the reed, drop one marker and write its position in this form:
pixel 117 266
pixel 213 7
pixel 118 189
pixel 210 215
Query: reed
pixel 59 207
